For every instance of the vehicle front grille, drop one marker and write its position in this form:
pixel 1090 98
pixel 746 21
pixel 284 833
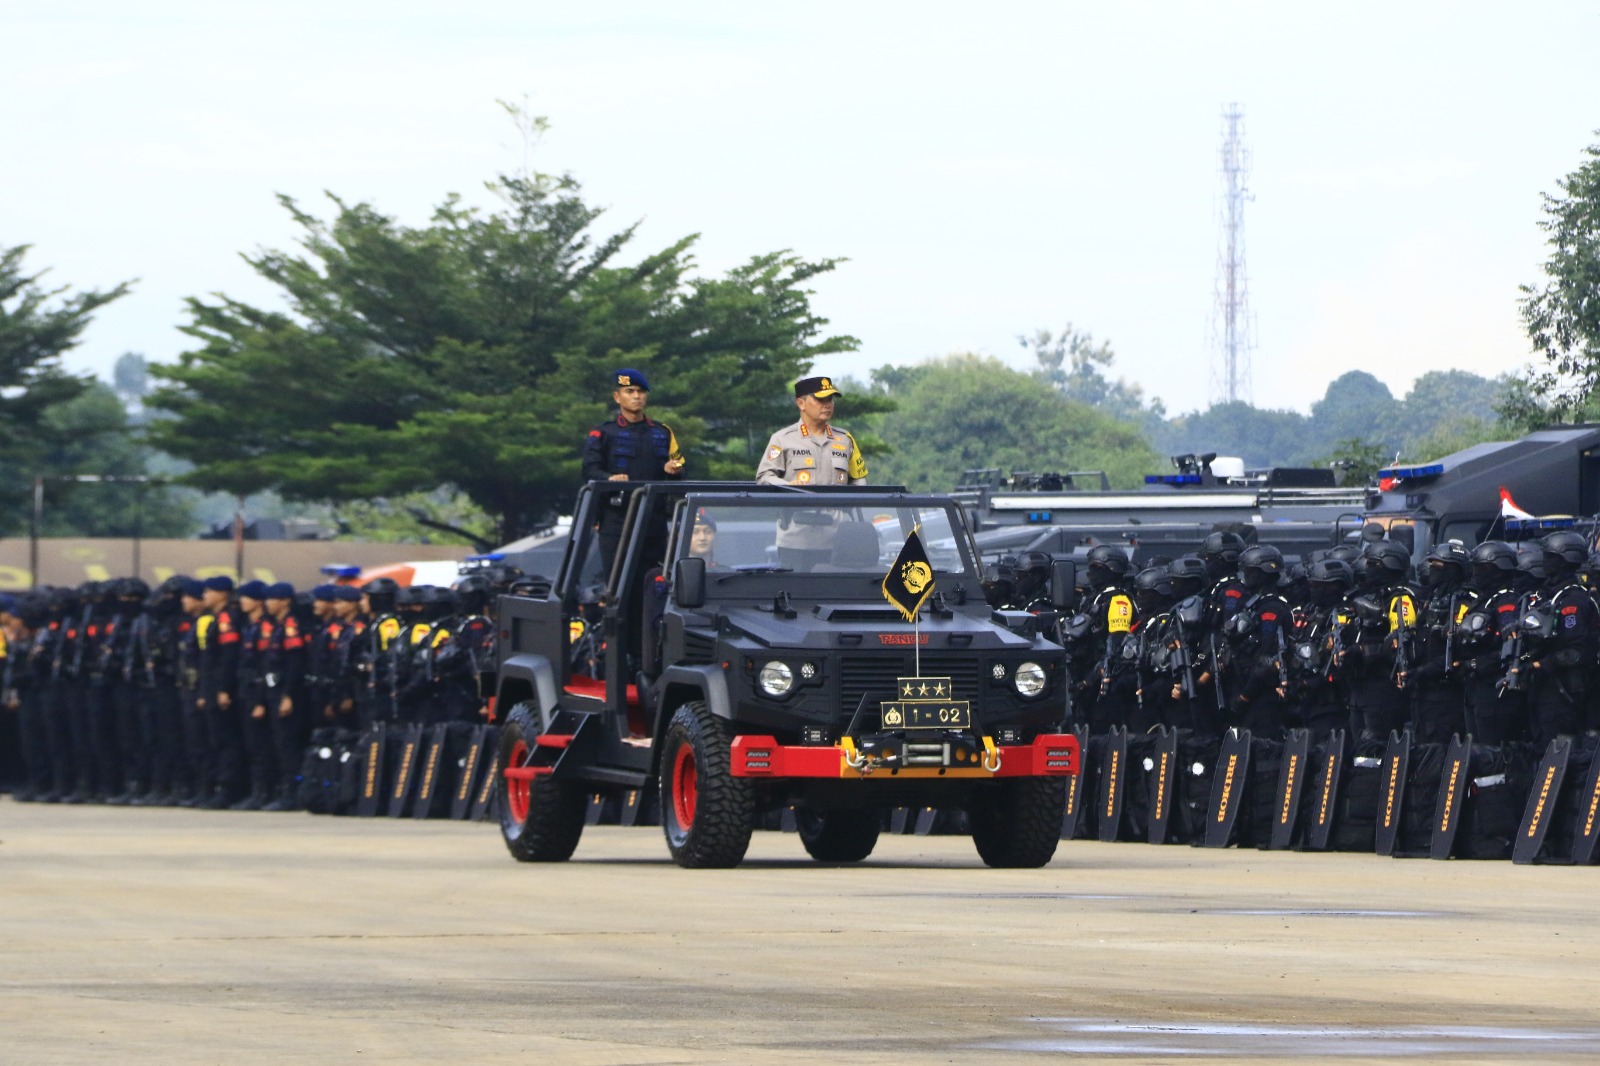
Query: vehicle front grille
pixel 875 676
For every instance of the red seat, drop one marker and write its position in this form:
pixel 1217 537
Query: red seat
pixel 594 688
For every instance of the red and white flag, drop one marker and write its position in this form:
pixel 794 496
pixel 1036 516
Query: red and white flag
pixel 1508 508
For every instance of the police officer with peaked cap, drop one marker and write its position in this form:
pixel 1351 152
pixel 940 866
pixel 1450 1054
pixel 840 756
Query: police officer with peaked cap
pixel 628 447
pixel 812 451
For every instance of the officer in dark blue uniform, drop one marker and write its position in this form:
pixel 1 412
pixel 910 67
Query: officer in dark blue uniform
pixel 628 447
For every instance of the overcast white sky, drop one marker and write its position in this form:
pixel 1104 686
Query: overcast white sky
pixel 988 169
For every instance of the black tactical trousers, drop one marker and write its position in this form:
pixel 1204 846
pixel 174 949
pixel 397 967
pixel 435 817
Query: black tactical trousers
pixel 1438 711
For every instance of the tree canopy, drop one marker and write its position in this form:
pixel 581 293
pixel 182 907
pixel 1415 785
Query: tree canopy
pixel 967 412
pixel 38 326
pixel 475 352
pixel 1562 314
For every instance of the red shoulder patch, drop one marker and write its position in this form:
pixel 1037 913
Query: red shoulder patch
pixel 1269 616
pixel 594 433
pixel 1570 610
pixel 1233 593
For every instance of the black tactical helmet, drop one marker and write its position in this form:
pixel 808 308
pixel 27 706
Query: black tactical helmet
pixel 999 584
pixel 1107 563
pixel 1387 557
pixel 1495 554
pixel 1260 566
pixel 1032 570
pixel 1564 550
pixel 1442 560
pixel 132 588
pixel 1329 571
pixel 382 593
pixel 173 586
pixel 1531 563
pixel 1154 579
pixel 1349 553
pixel 1109 556
pixel 1221 549
pixel 1187 566
pixel 473 591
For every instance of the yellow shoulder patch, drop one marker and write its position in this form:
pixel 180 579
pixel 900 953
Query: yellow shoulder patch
pixel 1119 615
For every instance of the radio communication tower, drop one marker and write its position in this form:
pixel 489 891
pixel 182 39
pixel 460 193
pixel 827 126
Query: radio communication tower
pixel 1231 322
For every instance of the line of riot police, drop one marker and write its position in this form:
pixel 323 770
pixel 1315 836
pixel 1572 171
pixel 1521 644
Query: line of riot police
pixel 200 694
pixel 1499 641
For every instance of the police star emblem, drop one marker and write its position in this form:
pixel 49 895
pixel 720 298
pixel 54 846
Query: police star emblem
pixel 909 581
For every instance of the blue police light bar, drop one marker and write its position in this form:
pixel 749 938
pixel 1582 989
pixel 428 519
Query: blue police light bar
pixel 486 557
pixel 1548 522
pixel 1412 473
pixel 1172 479
pixel 1039 517
pixel 341 570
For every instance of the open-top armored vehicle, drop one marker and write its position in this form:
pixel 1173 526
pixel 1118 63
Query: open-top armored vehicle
pixel 739 677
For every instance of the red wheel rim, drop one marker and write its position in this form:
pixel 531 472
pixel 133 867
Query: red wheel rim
pixel 685 786
pixel 518 789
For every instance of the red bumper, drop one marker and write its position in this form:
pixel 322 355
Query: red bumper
pixel 1050 755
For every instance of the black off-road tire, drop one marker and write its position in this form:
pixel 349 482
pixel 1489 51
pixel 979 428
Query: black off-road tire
pixel 707 814
pixel 838 836
pixel 1017 822
pixel 541 820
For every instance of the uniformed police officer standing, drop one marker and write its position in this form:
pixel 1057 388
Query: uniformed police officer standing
pixel 812 451
pixel 629 447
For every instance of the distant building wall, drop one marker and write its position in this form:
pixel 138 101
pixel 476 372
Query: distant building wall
pixel 74 560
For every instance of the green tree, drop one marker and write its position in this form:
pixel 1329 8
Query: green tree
pixel 1355 461
pixel 1356 406
pixel 37 326
pixel 966 412
pixel 1258 435
pixel 475 351
pixel 94 442
pixel 1074 365
pixel 1562 315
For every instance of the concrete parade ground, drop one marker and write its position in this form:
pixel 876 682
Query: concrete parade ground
pixel 178 936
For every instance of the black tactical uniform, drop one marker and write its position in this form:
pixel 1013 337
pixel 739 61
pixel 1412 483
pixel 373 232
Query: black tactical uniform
pixel 218 634
pixel 1323 632
pixel 1438 697
pixel 1154 703
pixel 283 649
pixel 1494 713
pixel 1106 692
pixel 1257 672
pixel 1379 662
pixel 1560 654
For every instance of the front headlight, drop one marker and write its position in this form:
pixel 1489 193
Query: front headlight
pixel 776 678
pixel 1029 679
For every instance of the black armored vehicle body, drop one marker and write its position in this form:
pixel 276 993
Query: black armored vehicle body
pixel 737 674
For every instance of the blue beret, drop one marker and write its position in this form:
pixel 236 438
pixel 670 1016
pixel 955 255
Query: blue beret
pixel 626 376
pixel 193 589
pixel 220 583
pixel 8 602
pixel 280 590
pixel 322 592
pixel 255 590
pixel 347 593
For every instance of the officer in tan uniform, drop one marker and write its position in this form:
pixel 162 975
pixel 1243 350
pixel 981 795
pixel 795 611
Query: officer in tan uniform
pixel 811 452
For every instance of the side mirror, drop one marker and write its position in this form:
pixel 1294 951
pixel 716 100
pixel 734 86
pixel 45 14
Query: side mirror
pixel 1063 583
pixel 689 582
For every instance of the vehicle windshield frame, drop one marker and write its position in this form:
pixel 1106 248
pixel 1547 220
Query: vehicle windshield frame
pixel 754 517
